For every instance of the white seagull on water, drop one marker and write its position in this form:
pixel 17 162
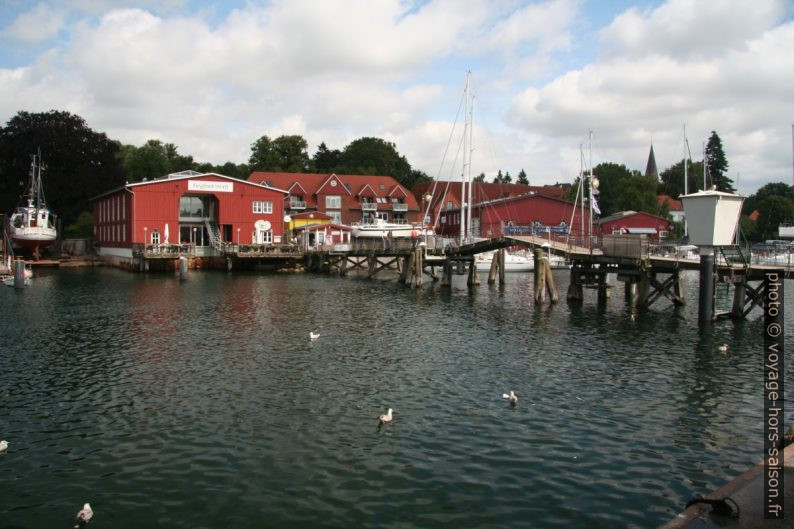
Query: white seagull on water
pixel 84 515
pixel 723 348
pixel 313 336
pixel 3 446
pixel 387 417
pixel 512 397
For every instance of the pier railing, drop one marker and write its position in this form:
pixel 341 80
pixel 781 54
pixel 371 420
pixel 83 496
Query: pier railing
pixel 163 251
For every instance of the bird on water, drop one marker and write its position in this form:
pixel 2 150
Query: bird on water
pixel 84 515
pixel 387 417
pixel 511 397
pixel 313 336
pixel 723 348
pixel 3 446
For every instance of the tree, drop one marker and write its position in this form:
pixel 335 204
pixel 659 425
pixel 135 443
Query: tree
pixel 374 156
pixel 774 211
pixel 499 178
pixel 612 179
pixel 717 164
pixel 522 178
pixel 326 160
pixel 507 178
pixel 147 161
pixel 79 162
pixel 754 201
pixel 480 177
pixel 672 179
pixel 417 177
pixel 285 153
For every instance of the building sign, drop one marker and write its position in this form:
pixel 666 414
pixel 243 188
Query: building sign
pixel 206 185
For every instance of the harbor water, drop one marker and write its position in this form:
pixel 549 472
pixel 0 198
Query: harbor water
pixel 204 404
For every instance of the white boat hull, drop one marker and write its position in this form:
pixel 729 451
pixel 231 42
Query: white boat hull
pixel 515 262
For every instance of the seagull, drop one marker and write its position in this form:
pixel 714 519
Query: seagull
pixel 3 446
pixel 387 417
pixel 512 397
pixel 84 516
pixel 313 336
pixel 723 348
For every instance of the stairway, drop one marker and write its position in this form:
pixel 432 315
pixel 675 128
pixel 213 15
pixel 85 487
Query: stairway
pixel 733 255
pixel 215 234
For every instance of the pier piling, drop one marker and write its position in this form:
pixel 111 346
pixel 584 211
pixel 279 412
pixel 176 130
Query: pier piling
pixel 183 268
pixel 706 294
pixel 19 273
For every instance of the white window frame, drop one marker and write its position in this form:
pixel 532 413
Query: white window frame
pixel 262 206
pixel 333 202
pixel 336 217
pixel 155 237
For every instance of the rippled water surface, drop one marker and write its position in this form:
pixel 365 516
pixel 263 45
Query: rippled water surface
pixel 204 404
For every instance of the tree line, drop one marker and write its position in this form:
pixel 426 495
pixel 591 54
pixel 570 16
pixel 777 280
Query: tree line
pixel 81 163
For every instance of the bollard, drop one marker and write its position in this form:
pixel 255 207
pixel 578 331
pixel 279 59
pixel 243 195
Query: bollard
pixel 183 268
pixel 19 273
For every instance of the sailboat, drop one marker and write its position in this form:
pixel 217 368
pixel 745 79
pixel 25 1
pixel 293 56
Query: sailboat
pixel 32 225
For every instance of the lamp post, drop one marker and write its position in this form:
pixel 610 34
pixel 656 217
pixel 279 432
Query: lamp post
pixel 145 239
pixel 238 236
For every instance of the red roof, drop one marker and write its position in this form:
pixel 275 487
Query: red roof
pixel 355 185
pixel 672 204
pixel 445 191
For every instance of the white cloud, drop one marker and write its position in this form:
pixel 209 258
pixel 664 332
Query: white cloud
pixel 653 81
pixel 42 22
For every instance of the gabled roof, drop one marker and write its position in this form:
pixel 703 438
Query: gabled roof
pixel 626 214
pixel 186 175
pixel 313 183
pixel 399 188
pixel 445 191
pixel 365 187
pixel 672 204
pixel 334 185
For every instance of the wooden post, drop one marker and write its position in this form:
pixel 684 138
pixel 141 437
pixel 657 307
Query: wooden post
pixel 419 267
pixel 494 267
pixel 228 264
pixel 502 253
pixel 433 274
pixel 739 292
pixel 343 265
pixel 183 268
pixel 19 273
pixel 644 289
pixel 603 288
pixel 410 262
pixel 540 276
pixel 474 279
pixel 550 286
pixel 575 290
pixel 678 287
pixel 631 291
pixel 446 274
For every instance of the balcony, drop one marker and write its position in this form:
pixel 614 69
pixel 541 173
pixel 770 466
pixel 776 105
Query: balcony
pixel 399 206
pixel 369 206
pixel 297 204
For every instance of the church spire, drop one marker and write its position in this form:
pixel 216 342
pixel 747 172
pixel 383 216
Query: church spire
pixel 650 169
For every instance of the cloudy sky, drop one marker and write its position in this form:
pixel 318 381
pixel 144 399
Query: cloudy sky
pixel 213 76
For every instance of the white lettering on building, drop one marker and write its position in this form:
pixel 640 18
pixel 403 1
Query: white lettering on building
pixel 205 185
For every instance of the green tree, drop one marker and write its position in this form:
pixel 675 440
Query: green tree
pixel 480 177
pixel 147 161
pixel 522 178
pixel 672 179
pixel 374 156
pixel 774 211
pixel 326 160
pixel 285 153
pixel 499 178
pixel 81 228
pixel 507 178
pixel 79 162
pixel 754 201
pixel 612 179
pixel 417 177
pixel 717 164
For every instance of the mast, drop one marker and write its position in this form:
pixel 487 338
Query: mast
pixel 686 183
pixel 471 152
pixel 704 166
pixel 581 188
pixel 590 197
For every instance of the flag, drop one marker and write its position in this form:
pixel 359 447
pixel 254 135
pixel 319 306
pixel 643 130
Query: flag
pixel 595 206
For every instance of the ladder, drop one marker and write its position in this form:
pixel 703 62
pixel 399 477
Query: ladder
pixel 214 233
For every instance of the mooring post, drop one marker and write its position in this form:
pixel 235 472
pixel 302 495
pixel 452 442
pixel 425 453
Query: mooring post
pixel 502 255
pixel 474 279
pixel 19 273
pixel 644 289
pixel 706 293
pixel 494 268
pixel 183 268
pixel 228 264
pixel 419 267
pixel 575 290
pixel 540 276
pixel 550 286
pixel 446 274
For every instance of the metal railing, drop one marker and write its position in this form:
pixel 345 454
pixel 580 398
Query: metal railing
pixel 369 206
pixel 398 206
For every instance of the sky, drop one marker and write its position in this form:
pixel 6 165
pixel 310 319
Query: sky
pixel 557 84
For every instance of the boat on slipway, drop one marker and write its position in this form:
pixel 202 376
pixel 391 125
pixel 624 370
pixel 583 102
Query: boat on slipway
pixel 32 225
pixel 515 261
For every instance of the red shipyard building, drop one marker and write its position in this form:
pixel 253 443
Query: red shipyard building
pixel 205 217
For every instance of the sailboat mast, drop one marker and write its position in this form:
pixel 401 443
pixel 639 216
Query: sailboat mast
pixel 471 152
pixel 704 166
pixel 590 196
pixel 581 188
pixel 686 174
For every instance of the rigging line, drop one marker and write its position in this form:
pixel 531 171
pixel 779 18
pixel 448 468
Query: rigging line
pixel 444 157
pixel 449 182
